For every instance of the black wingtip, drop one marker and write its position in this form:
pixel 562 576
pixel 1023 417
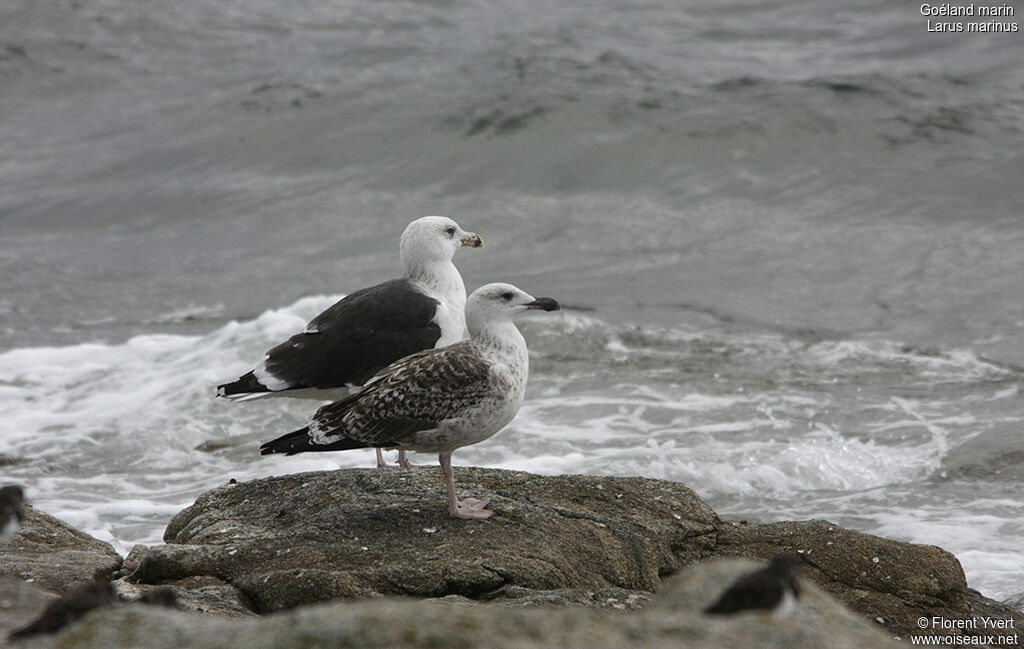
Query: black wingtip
pixel 289 444
pixel 246 384
pixel 299 441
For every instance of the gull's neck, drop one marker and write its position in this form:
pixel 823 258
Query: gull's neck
pixel 502 340
pixel 440 276
pixel 442 279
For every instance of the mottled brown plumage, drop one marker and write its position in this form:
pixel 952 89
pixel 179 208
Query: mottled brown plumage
pixel 416 393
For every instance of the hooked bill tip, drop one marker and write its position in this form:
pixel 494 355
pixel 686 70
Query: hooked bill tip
pixel 545 304
pixel 473 240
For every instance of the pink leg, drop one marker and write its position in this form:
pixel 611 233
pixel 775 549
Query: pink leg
pixel 468 508
pixel 403 461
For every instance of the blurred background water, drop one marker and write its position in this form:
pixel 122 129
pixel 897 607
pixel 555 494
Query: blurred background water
pixel 788 235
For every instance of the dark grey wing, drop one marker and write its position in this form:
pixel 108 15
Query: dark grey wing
pixel 356 337
pixel 413 394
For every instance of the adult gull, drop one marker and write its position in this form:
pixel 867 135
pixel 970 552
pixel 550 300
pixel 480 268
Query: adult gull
pixel 365 331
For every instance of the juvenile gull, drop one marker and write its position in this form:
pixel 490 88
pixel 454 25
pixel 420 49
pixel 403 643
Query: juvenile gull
pixel 367 330
pixel 773 589
pixel 437 400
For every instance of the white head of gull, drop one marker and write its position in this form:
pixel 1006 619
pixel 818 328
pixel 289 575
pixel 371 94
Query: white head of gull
pixel 370 328
pixel 437 400
pixel 426 249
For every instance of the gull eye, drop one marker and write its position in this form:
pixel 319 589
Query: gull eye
pixel 450 230
pixel 507 296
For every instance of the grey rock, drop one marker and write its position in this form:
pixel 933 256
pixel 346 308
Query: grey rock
pixel 882 579
pixel 856 566
pixel 313 537
pixel 200 594
pixel 983 607
pixel 354 534
pixel 131 563
pixel 566 561
pixel 673 619
pixel 20 602
pixel 68 609
pixel 602 598
pixel 55 556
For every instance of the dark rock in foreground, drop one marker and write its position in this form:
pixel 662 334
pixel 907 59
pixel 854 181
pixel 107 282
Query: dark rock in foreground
pixel 673 619
pixel 20 603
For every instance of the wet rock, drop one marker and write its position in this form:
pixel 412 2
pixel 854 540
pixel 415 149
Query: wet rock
pixel 892 580
pixel 672 619
pixel 20 601
pixel 307 538
pixel 610 598
pixel 314 537
pixel 55 556
pixel 68 609
pixel 200 594
pixel 565 561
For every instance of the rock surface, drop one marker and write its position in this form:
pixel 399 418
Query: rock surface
pixel 307 538
pixel 53 555
pixel 45 559
pixel 20 603
pixel 565 561
pixel 672 619
pixel 889 581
